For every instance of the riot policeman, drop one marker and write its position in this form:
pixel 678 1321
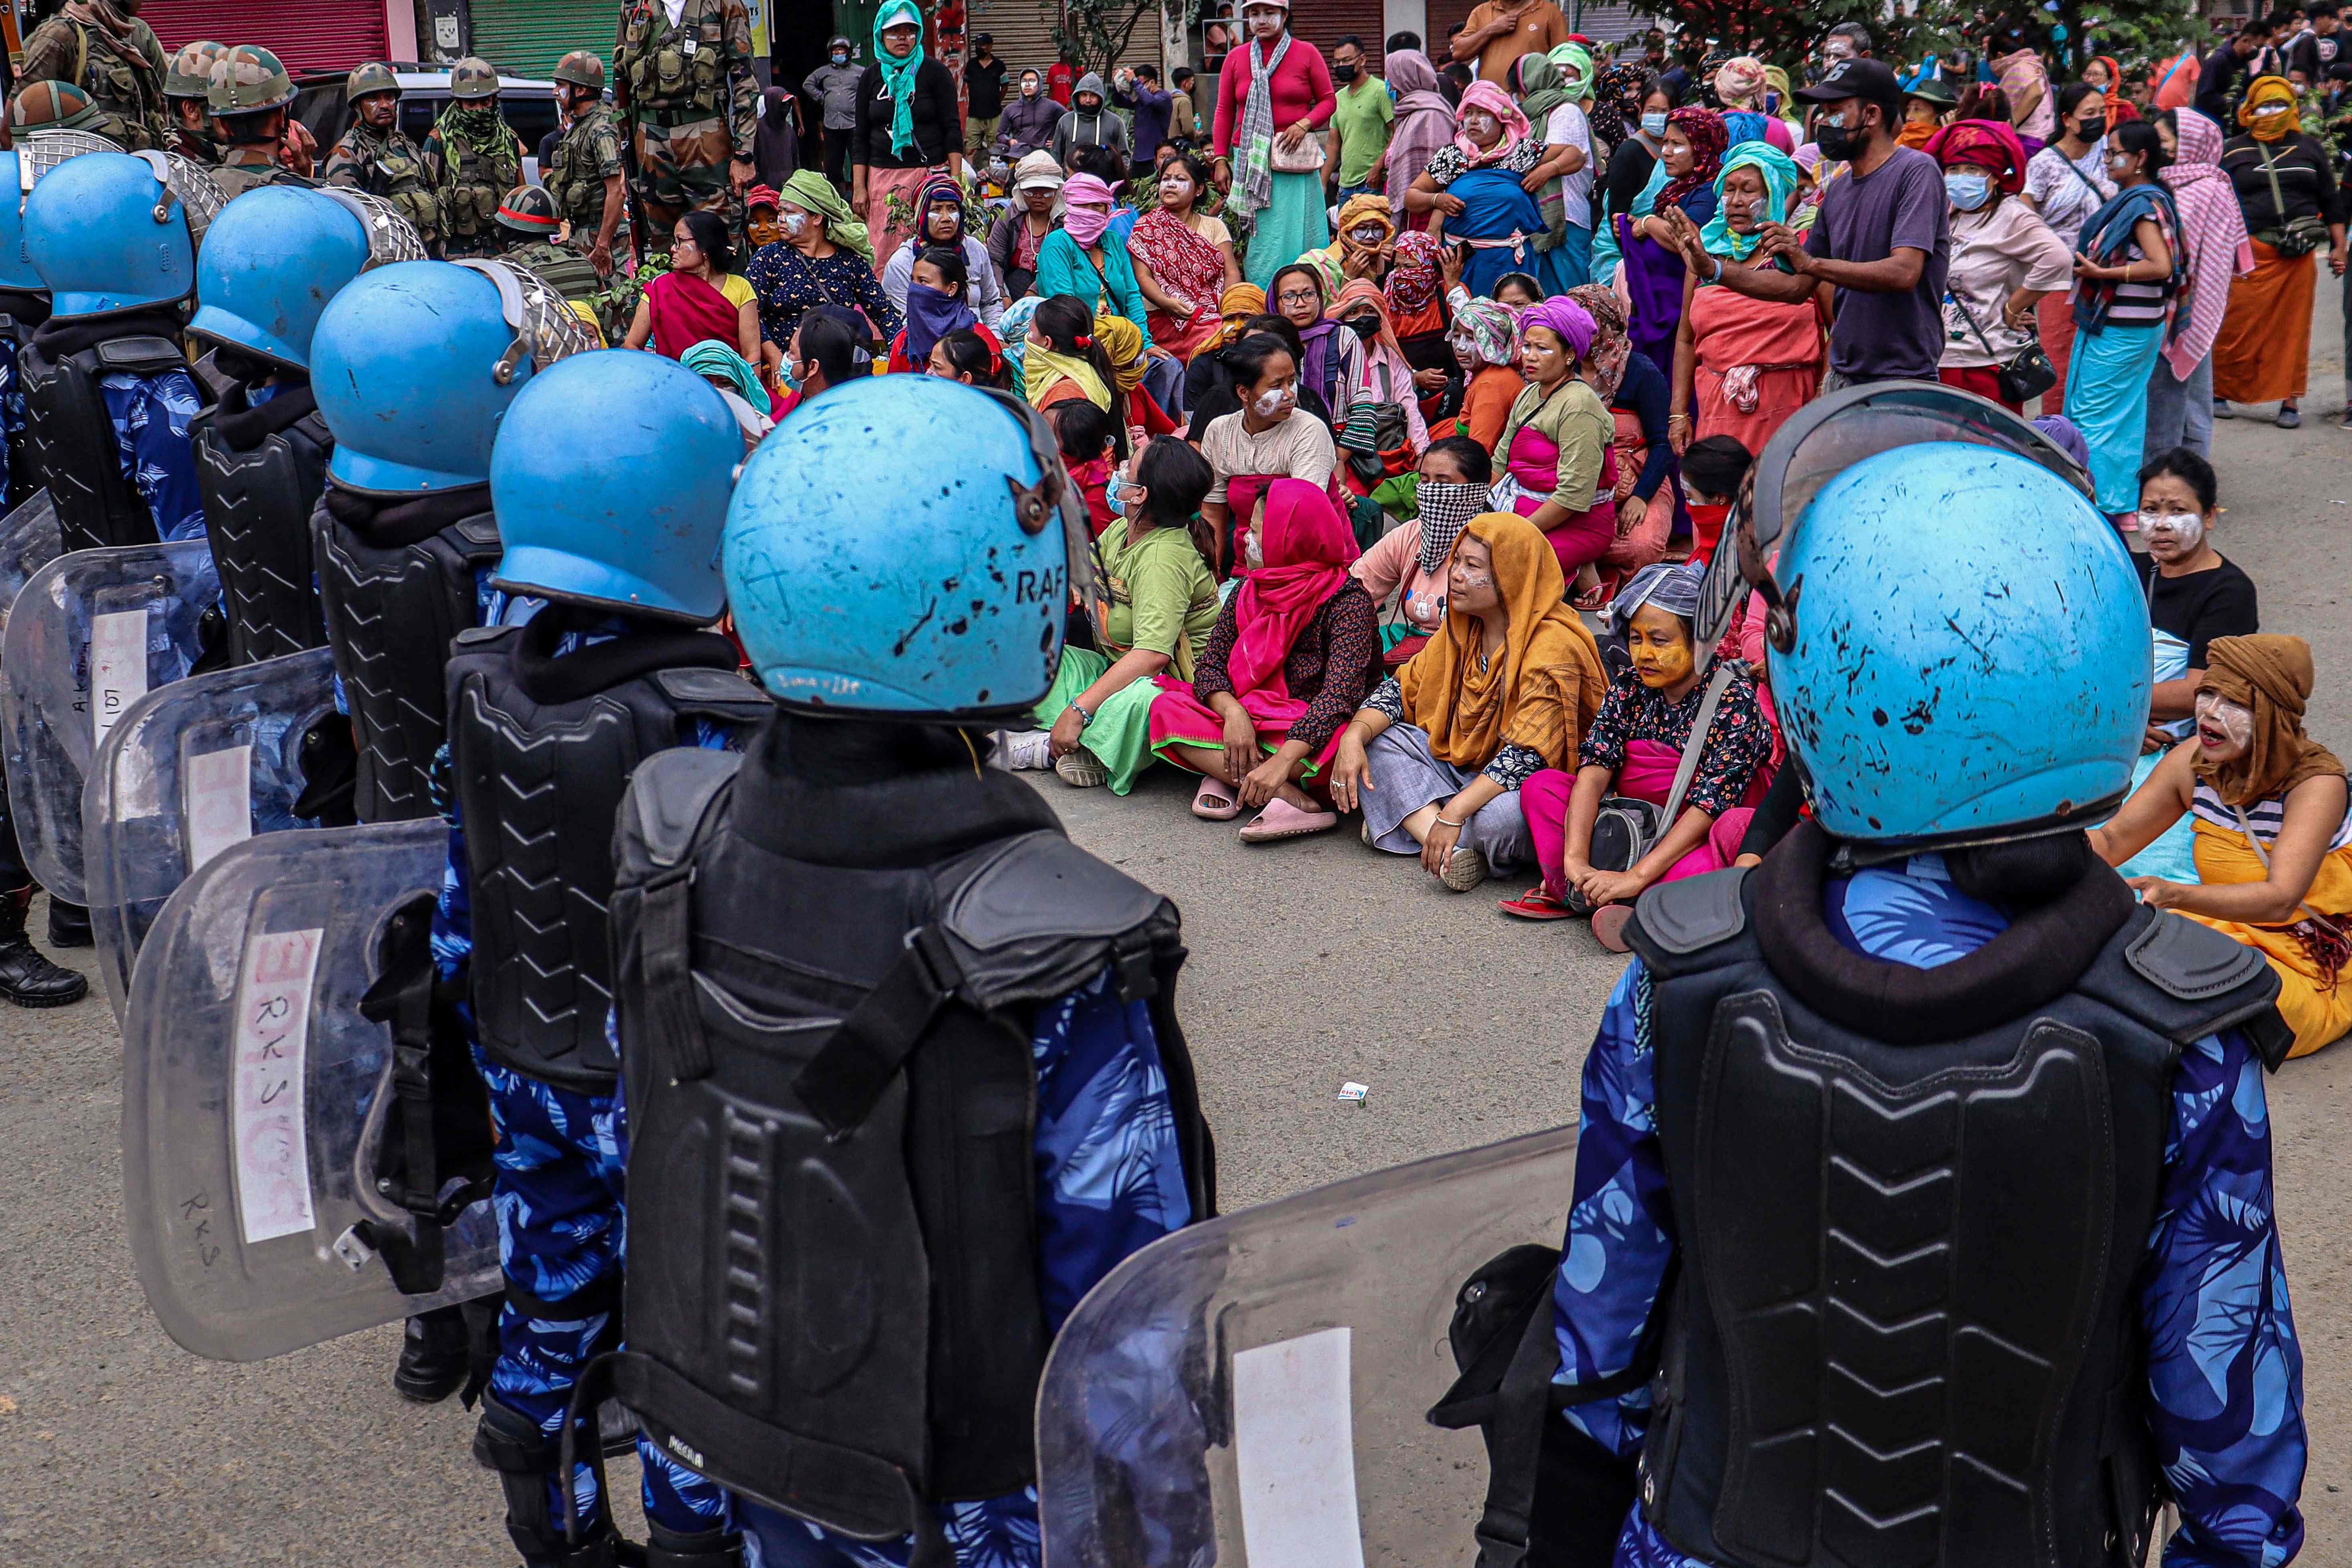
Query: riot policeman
pixel 527 217
pixel 859 972
pixel 250 92
pixel 1887 1242
pixel 121 68
pixel 610 482
pixel 584 175
pixel 472 158
pixel 375 157
pixel 187 92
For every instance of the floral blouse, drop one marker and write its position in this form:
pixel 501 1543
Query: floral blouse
pixel 1329 667
pixel 1737 743
pixel 1448 163
pixel 1511 767
pixel 789 285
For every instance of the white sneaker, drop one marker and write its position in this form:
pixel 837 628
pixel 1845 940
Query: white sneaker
pixel 1025 751
pixel 1081 769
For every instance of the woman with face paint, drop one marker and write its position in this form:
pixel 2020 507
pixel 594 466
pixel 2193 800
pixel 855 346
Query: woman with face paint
pixel 1633 750
pixel 1030 120
pixel 1273 94
pixel 1557 449
pixel 1742 365
pixel 1485 339
pixel 943 226
pixel 822 257
pixel 2273 833
pixel 1267 438
pixel 1474 188
pixel 2294 208
pixel 1408 563
pixel 2004 259
pixel 1183 258
pixel 909 126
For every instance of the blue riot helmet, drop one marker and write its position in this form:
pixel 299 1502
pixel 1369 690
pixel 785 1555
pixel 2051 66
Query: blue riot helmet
pixel 904 546
pixel 610 478
pixel 414 364
pixel 273 259
pixel 1970 658
pixel 108 231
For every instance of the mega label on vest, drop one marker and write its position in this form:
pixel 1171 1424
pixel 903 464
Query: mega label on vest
pixel 266 1073
pixel 1295 1453
pixel 218 788
pixel 118 667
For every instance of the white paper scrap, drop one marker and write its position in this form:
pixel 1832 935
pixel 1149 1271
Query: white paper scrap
pixel 118 667
pixel 219 792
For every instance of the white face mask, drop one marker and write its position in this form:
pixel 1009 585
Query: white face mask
pixel 2235 721
pixel 2185 529
pixel 1272 405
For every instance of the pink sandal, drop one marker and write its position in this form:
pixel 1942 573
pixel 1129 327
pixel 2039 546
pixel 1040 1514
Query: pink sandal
pixel 1215 800
pixel 1608 925
pixel 1280 819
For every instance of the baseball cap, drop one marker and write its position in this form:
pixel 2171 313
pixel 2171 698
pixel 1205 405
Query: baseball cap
pixel 1868 79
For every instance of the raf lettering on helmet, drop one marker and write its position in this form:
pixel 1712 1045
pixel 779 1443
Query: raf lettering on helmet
pixel 1039 587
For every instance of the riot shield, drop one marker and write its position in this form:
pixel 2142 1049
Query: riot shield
pixel 1254 1389
pixel 193 768
pixel 29 540
pixel 256 1095
pixel 1823 439
pixel 92 633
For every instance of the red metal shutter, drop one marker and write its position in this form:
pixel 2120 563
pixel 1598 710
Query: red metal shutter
pixel 309 36
pixel 1320 21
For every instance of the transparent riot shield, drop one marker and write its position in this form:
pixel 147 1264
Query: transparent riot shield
pixel 193 768
pixel 256 1096
pixel 1253 1390
pixel 29 540
pixel 92 633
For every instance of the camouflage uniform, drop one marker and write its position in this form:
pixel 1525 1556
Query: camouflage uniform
pixel 528 217
pixel 246 84
pixel 253 165
pixel 189 76
pixel 691 103
pixel 472 157
pixel 384 162
pixel 125 76
pixel 588 154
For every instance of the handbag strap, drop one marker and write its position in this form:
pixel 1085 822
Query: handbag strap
pixel 1970 318
pixel 2278 198
pixel 1689 766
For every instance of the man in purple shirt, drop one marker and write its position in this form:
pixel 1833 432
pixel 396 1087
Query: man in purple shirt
pixel 1882 241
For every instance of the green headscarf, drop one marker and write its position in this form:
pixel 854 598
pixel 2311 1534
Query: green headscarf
pixel 1579 57
pixel 897 75
pixel 812 193
pixel 1539 91
pixel 710 357
pixel 1779 171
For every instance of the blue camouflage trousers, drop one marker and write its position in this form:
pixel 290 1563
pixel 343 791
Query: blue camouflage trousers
pixel 562 1230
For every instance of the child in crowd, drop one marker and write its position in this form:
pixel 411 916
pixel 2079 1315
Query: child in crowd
pixel 1714 468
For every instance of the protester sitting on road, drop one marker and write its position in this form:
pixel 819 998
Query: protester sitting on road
pixel 1208 393
pixel 1378 372
pixel 701 296
pixel 1295 652
pixel 1299 297
pixel 1410 563
pixel 1081 259
pixel 1183 260
pixel 1435 757
pixel 1712 470
pixel 1559 466
pixel 1160 604
pixel 1263 440
pixel 1518 291
pixel 1060 360
pixel 1485 338
pixel 1021 230
pixel 1082 435
pixel 2273 832
pixel 937 302
pixel 942 226
pixel 1633 749
pixel 823 258
pixel 972 356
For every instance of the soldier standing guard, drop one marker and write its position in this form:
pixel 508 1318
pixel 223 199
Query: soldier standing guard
pixel 375 157
pixel 682 77
pixel 584 177
pixel 472 158
pixel 249 96
pixel 104 50
pixel 187 85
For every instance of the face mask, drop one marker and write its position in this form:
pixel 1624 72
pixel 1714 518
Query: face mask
pixel 1272 405
pixel 1968 191
pixel 2185 529
pixel 1086 224
pixel 1662 667
pixel 840 56
pixel 1653 125
pixel 1837 141
pixel 1121 502
pixel 1365 327
pixel 2235 721
pixel 2092 128
pixel 1343 73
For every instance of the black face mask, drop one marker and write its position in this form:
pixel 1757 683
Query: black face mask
pixel 1343 73
pixel 2090 130
pixel 1365 327
pixel 1838 143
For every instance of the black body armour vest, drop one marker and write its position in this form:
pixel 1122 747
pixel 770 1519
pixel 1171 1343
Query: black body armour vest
pixel 261 471
pixel 21 310
pixel 541 749
pixel 396 584
pixel 70 440
pixel 825 994
pixel 1912 1206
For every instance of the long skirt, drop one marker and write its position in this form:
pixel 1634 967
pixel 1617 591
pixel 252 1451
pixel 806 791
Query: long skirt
pixel 2264 354
pixel 1405 776
pixel 1119 736
pixel 1287 228
pixel 2053 321
pixel 2106 397
pixel 2315 1004
pixel 888 228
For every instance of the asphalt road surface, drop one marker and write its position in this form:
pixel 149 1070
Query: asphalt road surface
pixel 1313 963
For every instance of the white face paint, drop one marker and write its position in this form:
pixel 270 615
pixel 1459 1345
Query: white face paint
pixel 2225 729
pixel 2183 531
pixel 1480 125
pixel 1272 405
pixel 791 223
pixel 1368 234
pixel 1252 552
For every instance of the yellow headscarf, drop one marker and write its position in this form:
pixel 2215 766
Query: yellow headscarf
pixel 1360 210
pixel 1122 340
pixel 2270 127
pixel 1236 305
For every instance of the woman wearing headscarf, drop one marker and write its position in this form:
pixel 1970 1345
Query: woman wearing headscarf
pixel 1742 365
pixel 1781 99
pixel 1183 260
pixel 2108 78
pixel 2274 846
pixel 2287 189
pixel 909 126
pixel 776 145
pixel 1273 96
pixel 2005 261
pixel 1436 755
pixel 1407 565
pixel 1078 259
pixel 822 259
pixel 1475 187
pixel 943 225
pixel 1060 359
pixel 1557 449
pixel 1485 341
pixel 1694 145
pixel 2128 274
pixel 755 408
pixel 1020 232
pixel 1416 293
pixel 1740 87
pixel 1562 181
pixel 1381 374
pixel 2213 233
pixel 1295 652
pixel 938 301
pixel 1651 508
pixel 1363 241
pixel 2025 80
pixel 1633 750
pixel 1130 354
pixel 1424 122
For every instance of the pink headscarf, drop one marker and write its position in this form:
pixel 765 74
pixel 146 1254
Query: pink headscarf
pixel 1486 95
pixel 1086 226
pixel 1307 548
pixel 2213 230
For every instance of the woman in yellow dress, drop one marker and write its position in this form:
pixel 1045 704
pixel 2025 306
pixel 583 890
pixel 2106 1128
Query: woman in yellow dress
pixel 2273 833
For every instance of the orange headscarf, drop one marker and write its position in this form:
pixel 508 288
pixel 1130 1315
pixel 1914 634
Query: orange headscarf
pixel 1542 690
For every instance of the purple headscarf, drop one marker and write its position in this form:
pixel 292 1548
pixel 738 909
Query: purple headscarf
pixel 1563 315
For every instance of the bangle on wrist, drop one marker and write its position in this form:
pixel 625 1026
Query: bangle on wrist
pixel 1447 822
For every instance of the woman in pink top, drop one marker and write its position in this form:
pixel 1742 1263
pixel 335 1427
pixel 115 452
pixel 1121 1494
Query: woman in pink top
pixel 1273 95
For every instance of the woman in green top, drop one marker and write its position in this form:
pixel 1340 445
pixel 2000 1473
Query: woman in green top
pixel 1161 606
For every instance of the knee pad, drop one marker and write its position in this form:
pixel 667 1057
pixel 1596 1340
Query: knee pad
pixel 715 1548
pixel 527 1461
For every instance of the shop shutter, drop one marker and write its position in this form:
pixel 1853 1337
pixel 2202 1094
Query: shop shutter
pixel 1320 21
pixel 310 36
pixel 526 37
pixel 1024 32
pixel 1444 13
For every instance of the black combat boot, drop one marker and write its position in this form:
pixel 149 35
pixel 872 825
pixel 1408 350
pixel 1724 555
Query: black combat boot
pixel 434 1357
pixel 68 924
pixel 28 978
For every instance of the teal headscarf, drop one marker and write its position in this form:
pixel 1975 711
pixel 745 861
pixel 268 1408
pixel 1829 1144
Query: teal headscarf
pixel 1779 171
pixel 1564 56
pixel 710 357
pixel 897 75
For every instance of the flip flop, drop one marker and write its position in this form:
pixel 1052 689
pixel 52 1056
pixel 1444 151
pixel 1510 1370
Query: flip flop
pixel 1539 903
pixel 1608 925
pixel 1214 802
pixel 1280 819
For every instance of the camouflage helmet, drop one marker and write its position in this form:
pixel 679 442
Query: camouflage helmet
pixel 54 106
pixel 472 79
pixel 529 209
pixel 247 80
pixel 370 80
pixel 581 67
pixel 190 74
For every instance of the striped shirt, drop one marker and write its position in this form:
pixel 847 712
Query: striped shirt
pixel 2138 304
pixel 2265 816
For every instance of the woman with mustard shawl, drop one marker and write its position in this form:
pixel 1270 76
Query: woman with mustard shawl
pixel 1435 757
pixel 2285 185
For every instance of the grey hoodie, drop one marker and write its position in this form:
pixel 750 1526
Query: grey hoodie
pixel 1079 129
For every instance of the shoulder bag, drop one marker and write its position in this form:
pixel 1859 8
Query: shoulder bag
pixel 1625 829
pixel 2026 374
pixel 2291 236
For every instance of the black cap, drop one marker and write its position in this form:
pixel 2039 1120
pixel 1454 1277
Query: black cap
pixel 980 38
pixel 1867 79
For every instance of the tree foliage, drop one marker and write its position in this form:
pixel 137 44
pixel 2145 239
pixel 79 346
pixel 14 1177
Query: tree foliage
pixel 2138 32
pixel 1098 32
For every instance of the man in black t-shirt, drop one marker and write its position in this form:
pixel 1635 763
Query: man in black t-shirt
pixel 983 90
pixel 2310 53
pixel 2218 77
